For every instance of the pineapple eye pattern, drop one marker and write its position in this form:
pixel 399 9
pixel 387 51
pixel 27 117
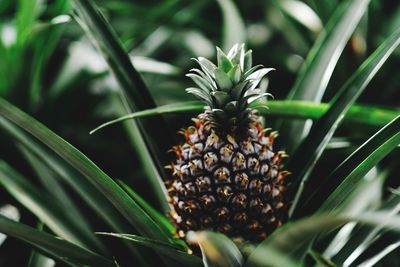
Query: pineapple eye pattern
pixel 232 190
pixel 227 177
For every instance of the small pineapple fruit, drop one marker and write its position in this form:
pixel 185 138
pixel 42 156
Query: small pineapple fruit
pixel 226 176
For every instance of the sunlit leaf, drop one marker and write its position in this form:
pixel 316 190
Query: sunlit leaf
pixel 311 149
pixel 293 235
pixel 217 249
pixel 316 72
pixel 360 114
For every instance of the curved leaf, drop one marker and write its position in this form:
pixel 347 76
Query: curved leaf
pixel 234 31
pixel 352 169
pixel 133 93
pixel 82 186
pixel 317 70
pixel 311 149
pixel 360 114
pixel 46 210
pixel 52 245
pixel 217 249
pixel 116 195
pixel 293 235
pixel 164 248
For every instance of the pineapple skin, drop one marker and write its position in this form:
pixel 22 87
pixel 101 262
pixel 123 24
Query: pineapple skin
pixel 230 184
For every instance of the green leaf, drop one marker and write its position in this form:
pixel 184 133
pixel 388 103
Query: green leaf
pixel 317 70
pixel 383 253
pixel 235 74
pixel 362 237
pixel 206 65
pixel 38 260
pixel 220 98
pixel 54 189
pixel 45 209
pixel 311 149
pixel 134 95
pixel 202 83
pixel 222 80
pixel 46 41
pixel 293 235
pixel 164 248
pixel 236 55
pixel 234 31
pixel 116 195
pixel 273 258
pixel 217 249
pixel 223 61
pixel 353 169
pixel 248 61
pixel 51 245
pixel 194 106
pixel 321 260
pixel 358 114
pixel 353 238
pixel 151 65
pixel 82 186
pixel 27 13
pixel 160 219
pixel 301 13
pixel 11 213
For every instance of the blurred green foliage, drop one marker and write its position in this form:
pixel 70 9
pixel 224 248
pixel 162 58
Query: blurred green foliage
pixel 50 69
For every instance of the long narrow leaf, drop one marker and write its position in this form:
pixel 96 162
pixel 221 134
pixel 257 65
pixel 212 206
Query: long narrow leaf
pixel 134 95
pixel 173 252
pixel 317 70
pixel 160 219
pixel 374 260
pixel 362 237
pixel 89 194
pixel 360 114
pixel 117 196
pixel 47 211
pixel 292 236
pixel 51 245
pixel 359 163
pixel 311 149
pixel 56 191
pixel 232 20
pixel 82 186
pixel 217 249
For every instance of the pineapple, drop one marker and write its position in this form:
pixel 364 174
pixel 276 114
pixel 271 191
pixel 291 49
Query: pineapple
pixel 226 176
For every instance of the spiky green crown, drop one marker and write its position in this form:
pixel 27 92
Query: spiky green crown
pixel 229 88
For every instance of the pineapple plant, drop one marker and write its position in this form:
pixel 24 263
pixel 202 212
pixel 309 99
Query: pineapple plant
pixel 227 176
pixel 338 207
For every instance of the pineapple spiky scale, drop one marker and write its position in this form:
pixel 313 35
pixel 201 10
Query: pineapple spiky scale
pixel 226 176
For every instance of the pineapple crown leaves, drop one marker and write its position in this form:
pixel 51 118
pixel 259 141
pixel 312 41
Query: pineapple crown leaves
pixel 229 87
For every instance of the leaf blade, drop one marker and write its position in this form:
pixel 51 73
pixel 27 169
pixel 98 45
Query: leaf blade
pixel 315 74
pixel 133 95
pixel 51 245
pixel 359 114
pixel 232 20
pixel 217 249
pixel 304 159
pixel 118 197
pixel 47 211
pixel 360 162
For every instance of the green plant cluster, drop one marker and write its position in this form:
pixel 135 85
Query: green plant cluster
pixel 68 198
